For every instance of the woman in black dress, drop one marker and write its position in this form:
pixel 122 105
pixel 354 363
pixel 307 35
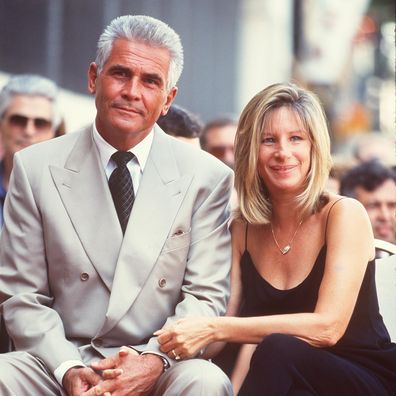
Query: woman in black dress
pixel 303 282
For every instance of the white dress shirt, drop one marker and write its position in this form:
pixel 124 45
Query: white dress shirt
pixel 135 166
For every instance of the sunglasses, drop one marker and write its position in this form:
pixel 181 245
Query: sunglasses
pixel 21 121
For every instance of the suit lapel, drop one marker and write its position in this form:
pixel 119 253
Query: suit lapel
pixel 158 199
pixel 83 188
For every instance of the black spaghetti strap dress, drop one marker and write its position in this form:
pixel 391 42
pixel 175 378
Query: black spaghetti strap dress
pixel 363 362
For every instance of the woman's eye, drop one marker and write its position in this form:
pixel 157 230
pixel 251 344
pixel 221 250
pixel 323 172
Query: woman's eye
pixel 268 140
pixel 296 138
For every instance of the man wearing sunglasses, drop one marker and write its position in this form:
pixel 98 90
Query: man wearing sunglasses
pixel 28 114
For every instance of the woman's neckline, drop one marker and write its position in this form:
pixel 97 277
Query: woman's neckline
pixel 246 252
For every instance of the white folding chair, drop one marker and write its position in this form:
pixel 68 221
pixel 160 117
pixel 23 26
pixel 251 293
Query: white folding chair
pixel 384 246
pixel 385 277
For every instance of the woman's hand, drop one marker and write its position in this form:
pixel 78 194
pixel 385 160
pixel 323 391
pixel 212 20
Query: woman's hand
pixel 186 338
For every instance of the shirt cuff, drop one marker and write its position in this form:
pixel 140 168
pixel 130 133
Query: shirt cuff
pixel 60 371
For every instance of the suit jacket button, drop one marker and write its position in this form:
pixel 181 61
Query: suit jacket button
pixel 84 276
pixel 162 282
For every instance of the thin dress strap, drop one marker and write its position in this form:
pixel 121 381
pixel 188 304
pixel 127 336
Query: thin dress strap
pixel 246 235
pixel 328 214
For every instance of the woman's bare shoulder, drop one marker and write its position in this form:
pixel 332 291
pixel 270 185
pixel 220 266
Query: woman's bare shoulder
pixel 341 205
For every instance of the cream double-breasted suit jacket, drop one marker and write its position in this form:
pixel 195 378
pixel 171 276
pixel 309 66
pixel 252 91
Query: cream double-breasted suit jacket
pixel 72 287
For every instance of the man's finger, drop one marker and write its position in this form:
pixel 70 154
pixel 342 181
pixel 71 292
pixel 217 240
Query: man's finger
pixel 95 391
pixel 124 351
pixel 110 374
pixel 104 364
pixel 91 377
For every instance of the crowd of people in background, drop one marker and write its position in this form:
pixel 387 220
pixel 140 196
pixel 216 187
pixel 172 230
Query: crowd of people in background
pixel 268 215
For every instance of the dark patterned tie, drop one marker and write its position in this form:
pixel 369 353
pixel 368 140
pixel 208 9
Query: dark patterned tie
pixel 121 187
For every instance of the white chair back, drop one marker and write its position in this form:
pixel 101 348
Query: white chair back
pixel 385 277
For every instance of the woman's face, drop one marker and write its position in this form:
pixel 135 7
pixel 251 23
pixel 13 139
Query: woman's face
pixel 285 153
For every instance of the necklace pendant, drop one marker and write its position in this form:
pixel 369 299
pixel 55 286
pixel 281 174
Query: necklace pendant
pixel 285 249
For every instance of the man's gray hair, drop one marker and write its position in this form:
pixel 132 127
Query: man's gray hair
pixel 31 85
pixel 148 30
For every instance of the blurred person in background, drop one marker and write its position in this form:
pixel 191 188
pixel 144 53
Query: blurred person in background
pixel 374 185
pixel 218 137
pixel 303 279
pixel 29 114
pixel 182 124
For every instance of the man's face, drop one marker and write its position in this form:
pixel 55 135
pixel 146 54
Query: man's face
pixel 27 120
pixel 381 208
pixel 220 143
pixel 130 92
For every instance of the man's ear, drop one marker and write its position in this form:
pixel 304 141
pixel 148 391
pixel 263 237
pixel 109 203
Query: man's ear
pixel 92 75
pixel 169 99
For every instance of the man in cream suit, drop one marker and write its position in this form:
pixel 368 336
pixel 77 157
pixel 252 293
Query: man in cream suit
pixel 81 292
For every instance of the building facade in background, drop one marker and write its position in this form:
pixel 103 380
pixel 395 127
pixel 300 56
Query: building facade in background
pixel 344 51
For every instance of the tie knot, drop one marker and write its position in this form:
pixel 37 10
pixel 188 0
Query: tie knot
pixel 121 158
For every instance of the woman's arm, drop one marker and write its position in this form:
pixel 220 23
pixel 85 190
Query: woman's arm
pixel 241 367
pixel 350 246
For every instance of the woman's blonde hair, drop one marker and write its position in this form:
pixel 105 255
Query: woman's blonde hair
pixel 254 203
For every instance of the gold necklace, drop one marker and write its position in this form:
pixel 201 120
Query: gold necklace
pixel 286 248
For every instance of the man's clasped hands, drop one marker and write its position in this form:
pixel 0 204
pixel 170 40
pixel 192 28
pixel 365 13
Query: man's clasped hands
pixel 126 373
